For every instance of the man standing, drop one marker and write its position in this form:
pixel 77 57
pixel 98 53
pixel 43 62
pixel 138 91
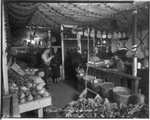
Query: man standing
pixel 46 63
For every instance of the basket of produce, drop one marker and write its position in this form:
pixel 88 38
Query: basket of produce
pixel 122 95
pixel 95 84
pixel 106 89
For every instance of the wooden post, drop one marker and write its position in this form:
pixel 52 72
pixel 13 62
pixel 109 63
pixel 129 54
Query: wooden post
pixel 134 44
pixel 134 48
pixel 79 40
pixel 62 50
pixel 50 41
pixel 4 54
pixel 1 53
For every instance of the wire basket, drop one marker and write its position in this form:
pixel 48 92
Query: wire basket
pixel 122 95
pixel 106 89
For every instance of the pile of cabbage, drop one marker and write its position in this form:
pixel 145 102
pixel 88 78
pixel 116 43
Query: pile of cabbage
pixel 28 87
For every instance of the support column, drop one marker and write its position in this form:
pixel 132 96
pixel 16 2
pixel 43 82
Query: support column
pixel 134 44
pixel 79 40
pixel 62 51
pixel 50 42
pixel 135 84
pixel 4 54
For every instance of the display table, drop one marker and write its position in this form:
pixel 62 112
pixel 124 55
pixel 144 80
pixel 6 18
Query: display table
pixel 119 78
pixel 37 104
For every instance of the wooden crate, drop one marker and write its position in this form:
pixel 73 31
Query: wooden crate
pixel 88 93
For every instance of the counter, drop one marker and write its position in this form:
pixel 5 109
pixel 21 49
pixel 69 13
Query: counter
pixel 119 78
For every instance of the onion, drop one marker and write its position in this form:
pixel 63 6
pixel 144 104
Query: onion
pixel 23 88
pixel 22 100
pixel 46 94
pixel 22 95
pixel 13 85
pixel 41 84
pixel 29 85
pixel 39 87
pixel 41 92
pixel 30 97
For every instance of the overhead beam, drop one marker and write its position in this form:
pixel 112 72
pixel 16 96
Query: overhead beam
pixel 68 1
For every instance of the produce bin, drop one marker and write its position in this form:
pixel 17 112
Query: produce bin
pixel 122 95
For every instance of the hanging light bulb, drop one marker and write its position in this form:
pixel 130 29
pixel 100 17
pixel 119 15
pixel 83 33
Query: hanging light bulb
pixel 124 35
pixel 104 35
pixel 115 35
pixel 109 35
pixel 99 34
pixel 119 35
pixel 104 41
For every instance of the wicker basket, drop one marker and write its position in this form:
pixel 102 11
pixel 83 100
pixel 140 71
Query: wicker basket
pixel 106 89
pixel 122 95
pixel 96 86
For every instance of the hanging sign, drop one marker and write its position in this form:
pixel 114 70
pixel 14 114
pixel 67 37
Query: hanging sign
pixel 119 35
pixel 92 34
pixel 124 35
pixel 115 35
pixel 109 35
pixel 104 35
pixel 98 34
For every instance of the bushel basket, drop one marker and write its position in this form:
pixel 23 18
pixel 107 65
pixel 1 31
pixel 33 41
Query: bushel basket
pixel 95 86
pixel 122 95
pixel 106 89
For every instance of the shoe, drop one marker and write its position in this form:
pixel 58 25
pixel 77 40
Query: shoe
pixel 57 81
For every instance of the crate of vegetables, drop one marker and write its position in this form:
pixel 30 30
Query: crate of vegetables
pixel 106 89
pixel 122 95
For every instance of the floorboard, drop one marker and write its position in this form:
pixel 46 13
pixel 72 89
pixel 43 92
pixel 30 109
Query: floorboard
pixel 62 93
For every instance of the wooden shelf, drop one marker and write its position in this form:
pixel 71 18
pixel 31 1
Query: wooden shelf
pixel 37 104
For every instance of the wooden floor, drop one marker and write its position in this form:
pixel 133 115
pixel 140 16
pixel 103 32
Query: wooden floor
pixel 62 93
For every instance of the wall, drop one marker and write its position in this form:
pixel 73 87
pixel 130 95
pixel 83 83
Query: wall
pixel 19 34
pixel 129 44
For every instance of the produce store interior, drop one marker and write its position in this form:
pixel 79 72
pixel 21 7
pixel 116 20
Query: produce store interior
pixel 75 59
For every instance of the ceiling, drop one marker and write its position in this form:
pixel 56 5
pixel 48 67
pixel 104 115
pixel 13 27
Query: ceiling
pixel 101 16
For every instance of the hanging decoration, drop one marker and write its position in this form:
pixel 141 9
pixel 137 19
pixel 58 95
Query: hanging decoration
pixel 115 35
pixel 109 35
pixel 119 35
pixel 99 34
pixel 104 34
pixel 124 35
pixel 86 33
pixel 87 11
pixel 92 34
pixel 56 11
pixel 128 34
pixel 53 39
pixel 80 32
pixel 75 12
